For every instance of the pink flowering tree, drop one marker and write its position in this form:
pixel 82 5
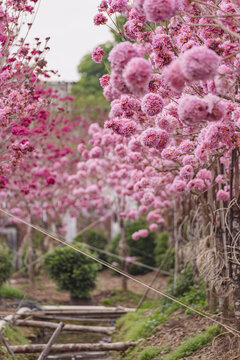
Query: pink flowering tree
pixel 174 96
pixel 37 190
pixel 21 92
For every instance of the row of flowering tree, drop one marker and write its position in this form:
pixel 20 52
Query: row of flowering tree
pixel 174 98
pixel 169 149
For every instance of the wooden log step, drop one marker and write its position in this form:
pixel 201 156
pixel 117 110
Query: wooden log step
pixel 83 356
pixel 61 348
pixel 73 318
pixel 76 308
pixel 67 327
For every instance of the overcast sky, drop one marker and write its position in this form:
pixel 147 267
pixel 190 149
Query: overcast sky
pixel 69 23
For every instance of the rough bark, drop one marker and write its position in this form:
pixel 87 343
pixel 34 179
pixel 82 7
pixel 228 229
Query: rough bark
pixel 67 327
pixel 60 348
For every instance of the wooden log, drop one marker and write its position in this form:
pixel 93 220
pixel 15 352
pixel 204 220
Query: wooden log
pixel 67 327
pixel 83 356
pixel 51 341
pixel 95 309
pixel 60 348
pixel 72 318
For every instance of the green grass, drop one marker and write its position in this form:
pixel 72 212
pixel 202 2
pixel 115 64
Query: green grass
pixel 193 344
pixel 138 325
pixel 149 353
pixel 15 336
pixel 10 292
pixel 107 301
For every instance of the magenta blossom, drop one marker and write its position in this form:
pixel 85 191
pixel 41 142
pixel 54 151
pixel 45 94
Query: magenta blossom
pixel 97 54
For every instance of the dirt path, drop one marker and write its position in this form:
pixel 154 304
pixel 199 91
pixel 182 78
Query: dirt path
pixel 45 289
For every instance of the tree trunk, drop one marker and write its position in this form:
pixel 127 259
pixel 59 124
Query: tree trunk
pixel 124 253
pixel 235 261
pixel 30 257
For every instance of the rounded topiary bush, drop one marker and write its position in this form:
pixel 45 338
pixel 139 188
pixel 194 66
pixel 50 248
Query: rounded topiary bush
pixel 72 270
pixel 95 238
pixel 6 265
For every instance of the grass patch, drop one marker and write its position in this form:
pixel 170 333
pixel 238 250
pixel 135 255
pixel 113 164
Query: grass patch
pixel 16 336
pixel 149 353
pixel 138 325
pixel 107 301
pixel 193 344
pixel 10 292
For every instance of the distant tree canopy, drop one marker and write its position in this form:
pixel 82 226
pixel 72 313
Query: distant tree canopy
pixel 87 91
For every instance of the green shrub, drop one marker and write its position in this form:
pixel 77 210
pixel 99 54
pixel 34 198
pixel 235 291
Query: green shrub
pixel 95 238
pixel 6 265
pixel 72 270
pixel 10 292
pixel 183 284
pixel 193 344
pixel 142 249
pixel 162 253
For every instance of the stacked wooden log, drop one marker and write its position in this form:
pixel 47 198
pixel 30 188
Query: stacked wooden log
pixel 32 318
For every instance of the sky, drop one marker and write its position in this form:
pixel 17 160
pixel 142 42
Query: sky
pixel 69 23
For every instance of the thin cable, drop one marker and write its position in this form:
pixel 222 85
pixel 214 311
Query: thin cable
pixel 123 273
pixel 137 263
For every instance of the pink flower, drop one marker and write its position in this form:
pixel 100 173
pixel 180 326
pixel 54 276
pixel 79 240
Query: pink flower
pixel 148 199
pixel 95 152
pixel 216 108
pixel 223 195
pixel 186 173
pixel 104 80
pixel 124 127
pixel 143 233
pixel 135 236
pixel 110 93
pixel 152 104
pixel 204 174
pixel 174 77
pixel 153 227
pixel 137 75
pixel 121 54
pixel 118 5
pixel 100 19
pixel 199 63
pixel 155 138
pixel 50 180
pixel 167 122
pixel 197 184
pixel 159 10
pixel 130 258
pixel 192 110
pixel 179 185
pixel 97 54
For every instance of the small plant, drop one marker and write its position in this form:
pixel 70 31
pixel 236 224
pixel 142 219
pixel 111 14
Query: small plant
pixel 10 292
pixel 6 265
pixel 107 301
pixel 72 270
pixel 183 284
